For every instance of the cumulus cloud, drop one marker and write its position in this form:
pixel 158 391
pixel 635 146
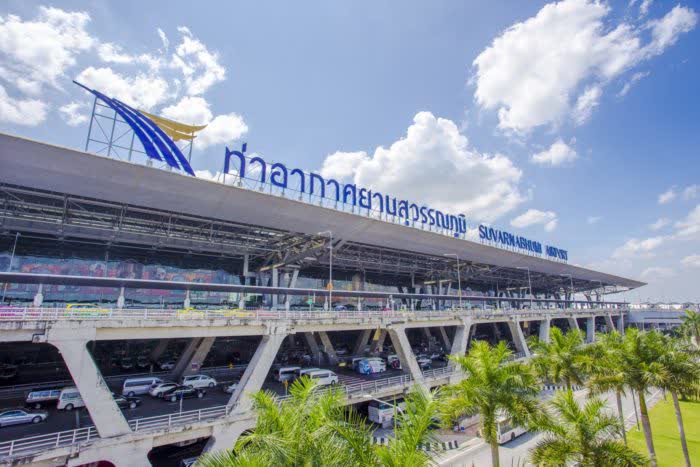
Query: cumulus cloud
pixel 690 226
pixel 342 165
pixel 37 52
pixel 644 7
pixel 631 82
pixel 659 224
pixel 667 196
pixel 638 248
pixel 559 153
pixel 553 66
pixel 691 261
pixel 222 129
pixel 142 91
pixel 691 192
pixel 28 112
pixel 190 110
pixel 534 217
pixel 433 164
pixel 200 66
pixel 657 272
pixel 74 113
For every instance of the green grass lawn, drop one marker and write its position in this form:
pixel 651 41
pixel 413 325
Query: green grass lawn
pixel 665 431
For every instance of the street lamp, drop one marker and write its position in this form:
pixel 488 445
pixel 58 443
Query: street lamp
pixel 330 268
pixel 529 282
pixel 571 281
pixel 459 278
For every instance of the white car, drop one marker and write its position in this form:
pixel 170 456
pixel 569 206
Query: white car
pixel 323 377
pixel 158 389
pixel 199 381
pixel 167 365
pixel 230 388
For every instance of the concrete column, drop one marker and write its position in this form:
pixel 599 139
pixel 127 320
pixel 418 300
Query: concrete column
pixel 187 299
pixel 255 373
pixel 358 350
pixel 379 343
pixel 133 453
pixel 186 356
pixel 621 324
pixel 427 333
pixel 545 324
pixel 609 322
pixel 39 297
pixel 224 437
pixel 405 353
pixel 518 337
pixel 459 343
pixel 105 414
pixel 195 363
pixel 445 339
pixel 120 299
pixel 313 346
pixel 497 332
pixel 159 350
pixel 275 283
pixel 292 283
pixel 328 348
pixel 590 329
pixel 573 324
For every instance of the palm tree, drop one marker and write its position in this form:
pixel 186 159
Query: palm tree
pixel 494 387
pixel 691 324
pixel 608 373
pixel 313 428
pixel 562 360
pixel 581 435
pixel 681 373
pixel 640 358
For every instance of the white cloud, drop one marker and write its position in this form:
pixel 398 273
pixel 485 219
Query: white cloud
pixel 28 112
pixel 691 192
pixel 667 196
pixel 164 39
pixel 112 53
pixel 200 67
pixel 534 72
pixel 39 51
pixel 691 261
pixel 657 272
pixel 433 164
pixel 593 219
pixel 659 224
pixel 558 153
pixel 189 110
pixel 142 91
pixel 631 82
pixel 223 129
pixel 638 248
pixel 533 217
pixel 342 165
pixel 75 113
pixel 689 226
pixel 644 7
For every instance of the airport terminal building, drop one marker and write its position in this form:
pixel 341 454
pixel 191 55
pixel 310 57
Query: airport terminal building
pixel 113 270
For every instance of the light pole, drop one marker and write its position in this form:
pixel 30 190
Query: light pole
pixel 459 278
pixel 330 268
pixel 9 266
pixel 571 281
pixel 529 282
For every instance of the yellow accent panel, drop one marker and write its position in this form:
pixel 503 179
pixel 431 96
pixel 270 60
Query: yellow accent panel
pixel 177 131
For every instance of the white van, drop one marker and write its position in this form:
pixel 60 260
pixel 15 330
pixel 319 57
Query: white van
pixel 286 373
pixel 137 386
pixel 383 413
pixel 69 399
pixel 304 372
pixel 324 377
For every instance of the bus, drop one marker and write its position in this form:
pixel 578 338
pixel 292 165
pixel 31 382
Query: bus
pixel 507 431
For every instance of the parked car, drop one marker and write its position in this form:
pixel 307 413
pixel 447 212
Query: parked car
pixel 167 365
pixel 20 416
pixel 199 381
pixel 126 364
pixel 126 402
pixel 38 398
pixel 158 389
pixel 142 361
pixel 425 363
pixel 324 377
pixel 230 387
pixel 182 392
pixel 394 362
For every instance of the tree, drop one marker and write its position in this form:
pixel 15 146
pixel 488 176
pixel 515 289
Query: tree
pixel 691 325
pixel 493 387
pixel 608 372
pixel 562 360
pixel 313 428
pixel 681 374
pixel 581 435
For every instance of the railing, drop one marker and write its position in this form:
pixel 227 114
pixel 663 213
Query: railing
pixel 34 444
pixel 67 314
pixel 159 422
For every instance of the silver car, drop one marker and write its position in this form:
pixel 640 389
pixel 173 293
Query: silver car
pixel 20 416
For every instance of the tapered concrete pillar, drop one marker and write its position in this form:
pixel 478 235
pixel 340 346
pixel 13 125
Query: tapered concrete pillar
pixel 313 346
pixel 96 395
pixel 121 299
pixel 590 329
pixel 361 342
pixel 224 437
pixel 518 337
pixel 445 339
pixel 159 350
pixel 573 324
pixel 621 323
pixel 427 333
pixel 275 283
pixel 187 300
pixel 39 296
pixel 609 322
pixel 378 344
pixel 328 348
pixel 545 324
pixel 186 356
pixel 199 355
pixel 497 332
pixel 405 353
pixel 459 343
pixel 255 373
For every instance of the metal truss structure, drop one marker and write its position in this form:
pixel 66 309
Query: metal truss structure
pixel 61 219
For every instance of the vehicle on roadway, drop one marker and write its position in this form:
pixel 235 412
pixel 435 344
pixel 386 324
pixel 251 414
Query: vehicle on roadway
pixel 507 431
pixel 424 362
pixel 21 416
pixel 370 366
pixel 137 386
pixel 324 377
pixel 69 399
pixel 230 388
pixel 38 398
pixel 126 402
pixel 182 392
pixel 158 389
pixel 286 373
pixel 199 381
pixel 304 372
pixel 167 365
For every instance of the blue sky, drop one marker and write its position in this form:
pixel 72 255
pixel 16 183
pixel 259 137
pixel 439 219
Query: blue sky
pixel 565 122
